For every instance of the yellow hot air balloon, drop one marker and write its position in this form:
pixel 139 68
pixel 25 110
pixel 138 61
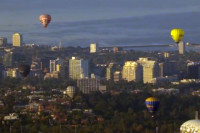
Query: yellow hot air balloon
pixel 177 35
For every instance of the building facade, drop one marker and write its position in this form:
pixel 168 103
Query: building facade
pixel 88 85
pixel 181 47
pixel 8 59
pixel 132 71
pixel 3 41
pixel 78 68
pixel 193 70
pixel 17 40
pixel 93 47
pixel 150 69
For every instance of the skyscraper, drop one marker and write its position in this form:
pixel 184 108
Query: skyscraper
pixel 64 70
pixel 8 59
pixel 55 65
pixel 150 69
pixel 17 40
pixel 78 68
pixel 93 48
pixel 117 76
pixel 181 47
pixel 3 41
pixel 52 66
pixel 193 70
pixel 132 71
pixel 110 71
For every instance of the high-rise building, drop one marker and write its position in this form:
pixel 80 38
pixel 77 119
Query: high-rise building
pixel 181 47
pixel 150 69
pixel 193 70
pixel 166 54
pixel 117 76
pixel 110 71
pixel 17 40
pixel 52 65
pixel 87 85
pixel 2 70
pixel 55 65
pixel 3 41
pixel 8 59
pixel 93 47
pixel 78 68
pixel 132 71
pixel 161 66
pixel 169 68
pixel 64 70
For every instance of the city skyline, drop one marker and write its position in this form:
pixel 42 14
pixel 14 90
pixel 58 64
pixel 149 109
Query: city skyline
pixel 79 22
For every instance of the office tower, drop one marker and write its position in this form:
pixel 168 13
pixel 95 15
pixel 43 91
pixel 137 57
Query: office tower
pixel 45 64
pixel 93 48
pixel 132 71
pixel 166 55
pixel 8 59
pixel 17 40
pixel 193 70
pixel 2 70
pixel 117 76
pixel 52 66
pixel 78 68
pixel 110 71
pixel 3 41
pixel 150 69
pixel 55 65
pixel 87 85
pixel 181 47
pixel 161 66
pixel 64 70
pixel 170 68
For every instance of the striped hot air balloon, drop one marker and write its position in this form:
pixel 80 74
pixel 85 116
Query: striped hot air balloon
pixel 177 35
pixel 45 19
pixel 152 104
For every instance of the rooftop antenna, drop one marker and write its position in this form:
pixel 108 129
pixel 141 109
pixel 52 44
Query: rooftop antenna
pixel 196 115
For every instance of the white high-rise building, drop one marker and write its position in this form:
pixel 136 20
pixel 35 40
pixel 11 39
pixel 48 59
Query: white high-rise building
pixel 181 47
pixel 93 48
pixel 150 69
pixel 132 71
pixel 78 68
pixel 17 40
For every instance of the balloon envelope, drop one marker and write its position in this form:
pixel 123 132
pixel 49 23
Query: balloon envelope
pixel 45 19
pixel 24 70
pixel 152 104
pixel 177 35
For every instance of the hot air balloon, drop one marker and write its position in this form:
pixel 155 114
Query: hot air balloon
pixel 177 35
pixel 152 104
pixel 45 19
pixel 24 70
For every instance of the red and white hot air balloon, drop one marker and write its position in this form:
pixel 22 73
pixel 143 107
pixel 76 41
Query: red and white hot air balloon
pixel 45 19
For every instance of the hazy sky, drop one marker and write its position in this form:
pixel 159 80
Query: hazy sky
pixel 22 15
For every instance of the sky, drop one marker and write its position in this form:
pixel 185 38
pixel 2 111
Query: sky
pixel 72 18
